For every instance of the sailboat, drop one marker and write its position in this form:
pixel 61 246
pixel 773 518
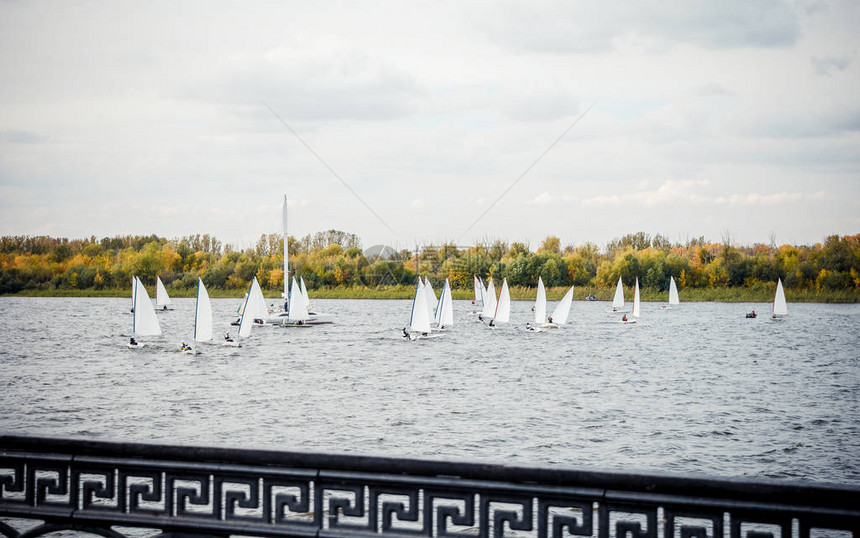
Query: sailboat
pixel 540 305
pixel 490 302
pixel 780 308
pixel 445 308
pixel 503 307
pixel 298 316
pixel 253 311
pixel 618 300
pixel 673 295
pixel 561 312
pixel 162 300
pixel 419 319
pixel 283 317
pixel 144 322
pixel 480 293
pixel 202 319
pixel 635 304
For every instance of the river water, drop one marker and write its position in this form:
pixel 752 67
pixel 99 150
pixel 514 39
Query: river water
pixel 697 389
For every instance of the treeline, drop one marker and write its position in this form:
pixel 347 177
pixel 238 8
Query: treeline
pixel 335 259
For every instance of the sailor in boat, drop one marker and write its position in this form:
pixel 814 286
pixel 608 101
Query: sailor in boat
pixel 549 319
pixel 164 307
pixel 492 323
pixel 405 334
pixel 530 327
pixel 751 314
pixel 480 317
pixel 184 347
pixel 624 317
pixel 132 341
pixel 227 337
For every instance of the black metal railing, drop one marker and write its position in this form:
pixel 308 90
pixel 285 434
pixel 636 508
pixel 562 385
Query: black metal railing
pixel 125 489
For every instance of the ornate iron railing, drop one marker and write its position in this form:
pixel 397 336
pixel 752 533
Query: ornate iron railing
pixel 123 489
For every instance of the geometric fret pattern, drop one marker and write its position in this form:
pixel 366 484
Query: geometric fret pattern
pixel 99 487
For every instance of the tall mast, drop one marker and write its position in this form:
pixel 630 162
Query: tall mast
pixel 286 253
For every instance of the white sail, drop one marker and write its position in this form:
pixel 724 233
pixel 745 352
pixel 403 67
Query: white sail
pixel 562 309
pixel 636 298
pixel 286 251
pixel 419 321
pixel 479 292
pixel 503 309
pixel 202 314
pixel 780 308
pixel 144 323
pixel 673 292
pixel 445 309
pixel 161 298
pixel 304 293
pixel 430 297
pixel 298 308
pixel 618 301
pixel 540 302
pixel 254 308
pixel 490 301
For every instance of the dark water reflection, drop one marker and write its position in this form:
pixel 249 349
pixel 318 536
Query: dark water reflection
pixel 695 389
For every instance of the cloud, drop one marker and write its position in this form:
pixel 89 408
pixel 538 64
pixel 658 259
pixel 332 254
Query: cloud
pixel 542 199
pixel 670 191
pixel 563 27
pixel 313 78
pixel 21 137
pixel 829 65
pixel 757 199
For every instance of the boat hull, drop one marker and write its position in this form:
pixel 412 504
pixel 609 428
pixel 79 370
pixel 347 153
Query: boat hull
pixel 314 318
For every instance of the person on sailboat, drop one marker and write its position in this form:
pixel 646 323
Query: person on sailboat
pixel 184 347
pixel 132 341
pixel 405 334
pixel 549 319
pixel 624 317
pixel 492 324
pixel 227 337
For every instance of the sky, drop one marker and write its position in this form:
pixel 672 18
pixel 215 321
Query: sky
pixel 411 123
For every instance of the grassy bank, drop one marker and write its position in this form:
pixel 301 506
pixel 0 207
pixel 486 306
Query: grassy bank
pixel 763 294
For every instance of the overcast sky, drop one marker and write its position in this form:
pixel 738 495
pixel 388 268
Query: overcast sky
pixel 726 118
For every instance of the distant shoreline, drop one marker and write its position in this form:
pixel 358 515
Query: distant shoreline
pixel 722 295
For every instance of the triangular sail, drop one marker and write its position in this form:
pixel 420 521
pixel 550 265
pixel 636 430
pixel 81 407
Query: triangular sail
pixel 304 293
pixel 562 309
pixel 503 309
pixel 618 301
pixel 430 297
pixel 780 308
pixel 298 310
pixel 419 321
pixel 540 302
pixel 636 299
pixel 490 301
pixel 479 292
pixel 161 297
pixel 254 308
pixel 202 314
pixel 673 292
pixel 145 323
pixel 445 309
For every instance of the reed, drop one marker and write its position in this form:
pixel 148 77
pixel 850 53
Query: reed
pixel 758 294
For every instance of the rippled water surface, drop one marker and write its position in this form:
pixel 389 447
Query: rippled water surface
pixel 696 389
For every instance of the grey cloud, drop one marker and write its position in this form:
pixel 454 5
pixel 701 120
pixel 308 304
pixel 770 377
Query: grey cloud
pixel 21 137
pixel 829 65
pixel 311 85
pixel 562 27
